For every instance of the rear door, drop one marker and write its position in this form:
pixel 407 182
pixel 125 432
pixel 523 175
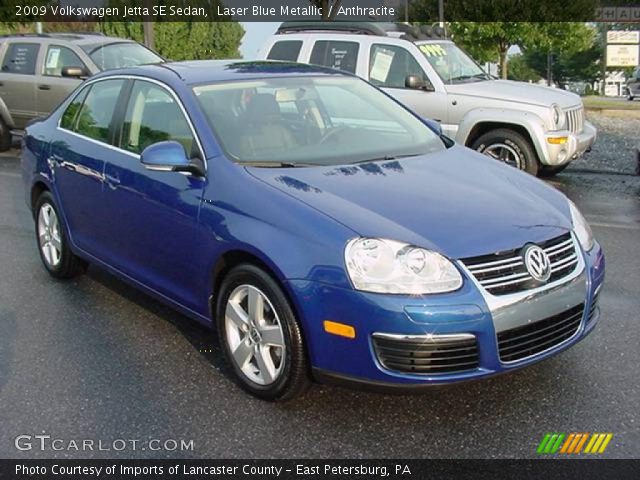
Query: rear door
pixel 19 79
pixel 53 88
pixel 78 156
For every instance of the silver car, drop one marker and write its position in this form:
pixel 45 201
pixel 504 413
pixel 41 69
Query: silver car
pixel 39 71
pixel 534 128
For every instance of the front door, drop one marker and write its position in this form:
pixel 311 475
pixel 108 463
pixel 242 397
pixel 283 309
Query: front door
pixel 53 88
pixel 389 66
pixel 154 232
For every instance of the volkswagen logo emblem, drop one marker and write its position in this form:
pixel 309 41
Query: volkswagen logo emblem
pixel 537 262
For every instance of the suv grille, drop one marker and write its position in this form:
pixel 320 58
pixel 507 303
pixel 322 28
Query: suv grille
pixel 504 273
pixel 424 356
pixel 521 342
pixel 575 119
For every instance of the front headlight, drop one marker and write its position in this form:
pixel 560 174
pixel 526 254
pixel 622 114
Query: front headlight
pixel 558 116
pixel 581 228
pixel 386 266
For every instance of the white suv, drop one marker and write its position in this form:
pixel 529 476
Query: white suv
pixel 534 128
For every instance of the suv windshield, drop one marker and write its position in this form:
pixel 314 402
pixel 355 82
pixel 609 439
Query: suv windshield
pixel 309 121
pixel 119 55
pixel 451 63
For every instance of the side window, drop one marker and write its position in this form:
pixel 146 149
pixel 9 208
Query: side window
pixel 389 66
pixel 96 114
pixel 59 57
pixel 21 58
pixel 69 116
pixel 334 54
pixel 285 50
pixel 152 116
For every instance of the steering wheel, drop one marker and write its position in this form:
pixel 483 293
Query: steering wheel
pixel 331 134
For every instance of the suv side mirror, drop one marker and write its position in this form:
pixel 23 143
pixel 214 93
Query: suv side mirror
pixel 74 72
pixel 169 156
pixel 416 82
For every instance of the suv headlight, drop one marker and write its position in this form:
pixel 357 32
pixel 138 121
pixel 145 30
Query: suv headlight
pixel 558 116
pixel 581 228
pixel 386 266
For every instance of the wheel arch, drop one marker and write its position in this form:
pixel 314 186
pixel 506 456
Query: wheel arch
pixel 232 258
pixel 37 189
pixel 480 121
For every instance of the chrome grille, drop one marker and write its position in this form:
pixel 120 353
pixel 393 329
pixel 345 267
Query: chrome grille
pixel 522 342
pixel 427 355
pixel 505 272
pixel 575 119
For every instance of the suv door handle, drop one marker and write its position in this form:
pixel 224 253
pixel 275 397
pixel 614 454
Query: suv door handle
pixel 44 87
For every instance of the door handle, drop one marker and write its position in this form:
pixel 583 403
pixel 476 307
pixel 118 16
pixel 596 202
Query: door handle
pixel 112 181
pixel 44 87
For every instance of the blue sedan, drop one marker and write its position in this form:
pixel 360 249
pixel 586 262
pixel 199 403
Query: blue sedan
pixel 321 228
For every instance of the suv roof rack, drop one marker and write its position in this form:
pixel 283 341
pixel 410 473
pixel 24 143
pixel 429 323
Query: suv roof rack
pixel 382 29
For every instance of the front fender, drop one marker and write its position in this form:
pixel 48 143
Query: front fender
pixel 531 122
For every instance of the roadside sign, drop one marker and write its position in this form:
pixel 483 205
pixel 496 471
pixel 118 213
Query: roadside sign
pixel 623 36
pixel 622 55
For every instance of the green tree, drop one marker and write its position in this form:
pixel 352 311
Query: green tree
pixel 567 51
pixel 490 42
pixel 185 40
pixel 520 70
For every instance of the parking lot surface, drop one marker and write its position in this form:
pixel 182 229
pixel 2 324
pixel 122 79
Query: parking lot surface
pixel 94 359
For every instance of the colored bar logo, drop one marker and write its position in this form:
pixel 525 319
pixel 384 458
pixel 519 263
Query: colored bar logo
pixel 574 443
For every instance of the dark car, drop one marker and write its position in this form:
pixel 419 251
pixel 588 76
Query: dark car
pixel 633 84
pixel 39 71
pixel 316 223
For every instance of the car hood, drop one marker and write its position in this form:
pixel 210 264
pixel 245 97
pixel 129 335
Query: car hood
pixel 507 90
pixel 457 202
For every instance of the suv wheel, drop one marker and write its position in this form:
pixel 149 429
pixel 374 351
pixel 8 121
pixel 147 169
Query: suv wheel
pixel 53 244
pixel 5 136
pixel 260 335
pixel 510 147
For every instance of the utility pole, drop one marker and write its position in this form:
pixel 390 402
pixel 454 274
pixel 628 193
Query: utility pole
pixel 549 63
pixel 38 28
pixel 147 26
pixel 441 12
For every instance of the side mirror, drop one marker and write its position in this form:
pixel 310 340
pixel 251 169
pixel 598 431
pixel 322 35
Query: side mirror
pixel 74 72
pixel 416 82
pixel 169 156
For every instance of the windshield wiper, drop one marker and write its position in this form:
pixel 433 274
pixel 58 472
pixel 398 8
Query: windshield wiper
pixel 278 164
pixel 388 157
pixel 482 76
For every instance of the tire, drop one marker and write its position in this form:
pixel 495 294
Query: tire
pixel 53 243
pixel 264 369
pixel 510 147
pixel 5 136
pixel 550 171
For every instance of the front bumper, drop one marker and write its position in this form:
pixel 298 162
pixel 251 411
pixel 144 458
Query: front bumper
pixel 576 144
pixel 466 311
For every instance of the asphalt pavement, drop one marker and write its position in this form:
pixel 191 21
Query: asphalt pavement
pixel 94 359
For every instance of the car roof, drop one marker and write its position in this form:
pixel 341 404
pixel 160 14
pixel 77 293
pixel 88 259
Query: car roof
pixel 81 39
pixel 208 71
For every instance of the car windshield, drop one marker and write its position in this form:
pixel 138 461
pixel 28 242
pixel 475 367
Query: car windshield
pixel 120 55
pixel 451 63
pixel 310 121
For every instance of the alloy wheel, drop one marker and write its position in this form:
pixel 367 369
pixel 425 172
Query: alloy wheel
pixel 505 153
pixel 49 237
pixel 254 335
